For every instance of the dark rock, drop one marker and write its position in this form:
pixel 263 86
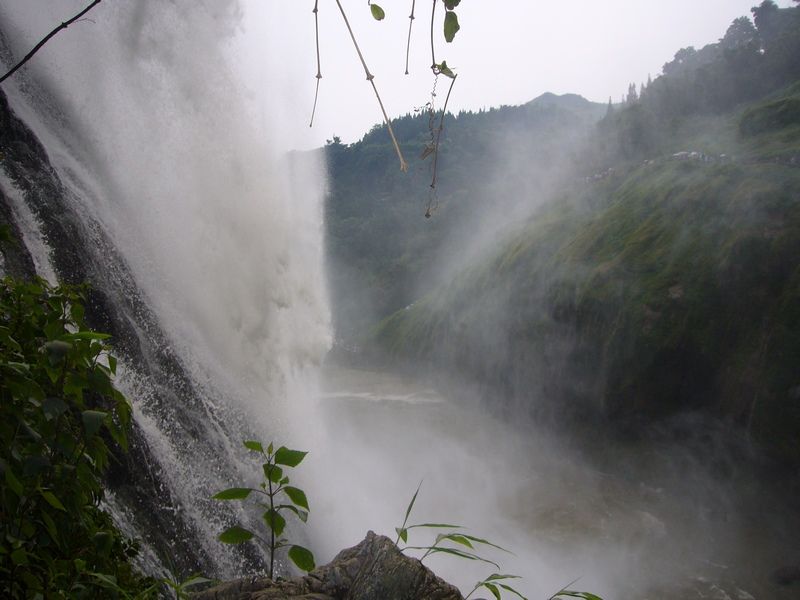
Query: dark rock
pixel 373 570
pixel 788 575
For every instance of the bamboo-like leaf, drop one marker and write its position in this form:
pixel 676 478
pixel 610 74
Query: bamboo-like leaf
pixel 402 534
pixel 51 499
pixel 454 552
pixel 508 588
pixel 574 594
pixel 478 540
pixel 12 481
pixel 492 588
pixel 455 538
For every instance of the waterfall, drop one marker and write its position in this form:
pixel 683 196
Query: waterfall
pixel 171 194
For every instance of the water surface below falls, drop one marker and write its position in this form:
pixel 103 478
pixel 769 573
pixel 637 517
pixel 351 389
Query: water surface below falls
pixel 630 522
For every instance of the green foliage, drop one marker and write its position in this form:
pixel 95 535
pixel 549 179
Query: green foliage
pixel 58 415
pixel 458 544
pixel 377 12
pixel 182 590
pixel 274 488
pixel 771 116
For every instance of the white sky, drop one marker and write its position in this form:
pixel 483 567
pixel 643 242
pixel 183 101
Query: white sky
pixel 506 53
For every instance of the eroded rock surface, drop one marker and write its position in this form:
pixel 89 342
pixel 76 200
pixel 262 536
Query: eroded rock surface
pixel 373 570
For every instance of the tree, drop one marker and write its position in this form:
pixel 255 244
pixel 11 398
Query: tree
pixel 741 34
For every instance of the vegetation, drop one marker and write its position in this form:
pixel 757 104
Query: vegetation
pixel 274 488
pixel 60 420
pixel 661 277
pixel 462 545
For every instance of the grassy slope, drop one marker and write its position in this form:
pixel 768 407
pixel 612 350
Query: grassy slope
pixel 667 286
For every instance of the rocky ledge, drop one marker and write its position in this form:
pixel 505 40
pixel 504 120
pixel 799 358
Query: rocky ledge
pixel 373 570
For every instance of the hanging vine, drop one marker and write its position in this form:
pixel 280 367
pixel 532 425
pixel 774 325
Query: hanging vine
pixel 451 27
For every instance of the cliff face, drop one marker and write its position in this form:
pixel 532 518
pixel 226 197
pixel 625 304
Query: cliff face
pixel 373 570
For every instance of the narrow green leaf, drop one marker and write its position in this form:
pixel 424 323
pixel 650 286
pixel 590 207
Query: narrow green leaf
pixel 455 552
pixel 254 446
pixel 50 525
pixel 290 458
pixel 112 364
pixel 451 4
pixel 233 494
pixel 302 557
pixel 435 526
pixel 297 496
pixel 402 534
pixel 451 26
pixel 51 499
pixel 92 421
pixel 478 540
pixel 85 335
pixel 497 577
pixel 574 594
pixel 377 12
pixel 195 580
pixel 13 482
pixel 235 535
pixel 508 588
pixel 455 538
pixel 492 588
pixel 411 504
pixel 274 521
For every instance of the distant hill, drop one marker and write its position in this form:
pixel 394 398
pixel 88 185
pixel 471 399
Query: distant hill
pixel 493 166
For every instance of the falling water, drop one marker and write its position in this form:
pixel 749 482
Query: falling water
pixel 202 240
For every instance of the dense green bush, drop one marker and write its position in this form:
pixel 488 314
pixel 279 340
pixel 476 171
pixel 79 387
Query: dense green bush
pixel 59 416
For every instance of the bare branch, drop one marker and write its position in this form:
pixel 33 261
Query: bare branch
pixel 319 68
pixel 436 148
pixel 433 49
pixel 46 39
pixel 410 23
pixel 370 78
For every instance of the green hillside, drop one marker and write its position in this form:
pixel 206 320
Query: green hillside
pixel 667 285
pixel 656 270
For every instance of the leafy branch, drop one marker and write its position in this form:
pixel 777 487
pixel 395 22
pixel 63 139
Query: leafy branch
pixel 274 485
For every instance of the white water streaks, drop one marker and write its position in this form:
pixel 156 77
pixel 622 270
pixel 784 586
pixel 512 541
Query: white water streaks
pixel 148 118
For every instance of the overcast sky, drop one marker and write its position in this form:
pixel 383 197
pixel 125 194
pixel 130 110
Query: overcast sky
pixel 505 53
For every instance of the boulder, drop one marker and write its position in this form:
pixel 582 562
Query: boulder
pixel 373 570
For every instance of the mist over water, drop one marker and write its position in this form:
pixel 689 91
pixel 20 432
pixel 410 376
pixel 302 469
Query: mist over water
pixel 167 152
